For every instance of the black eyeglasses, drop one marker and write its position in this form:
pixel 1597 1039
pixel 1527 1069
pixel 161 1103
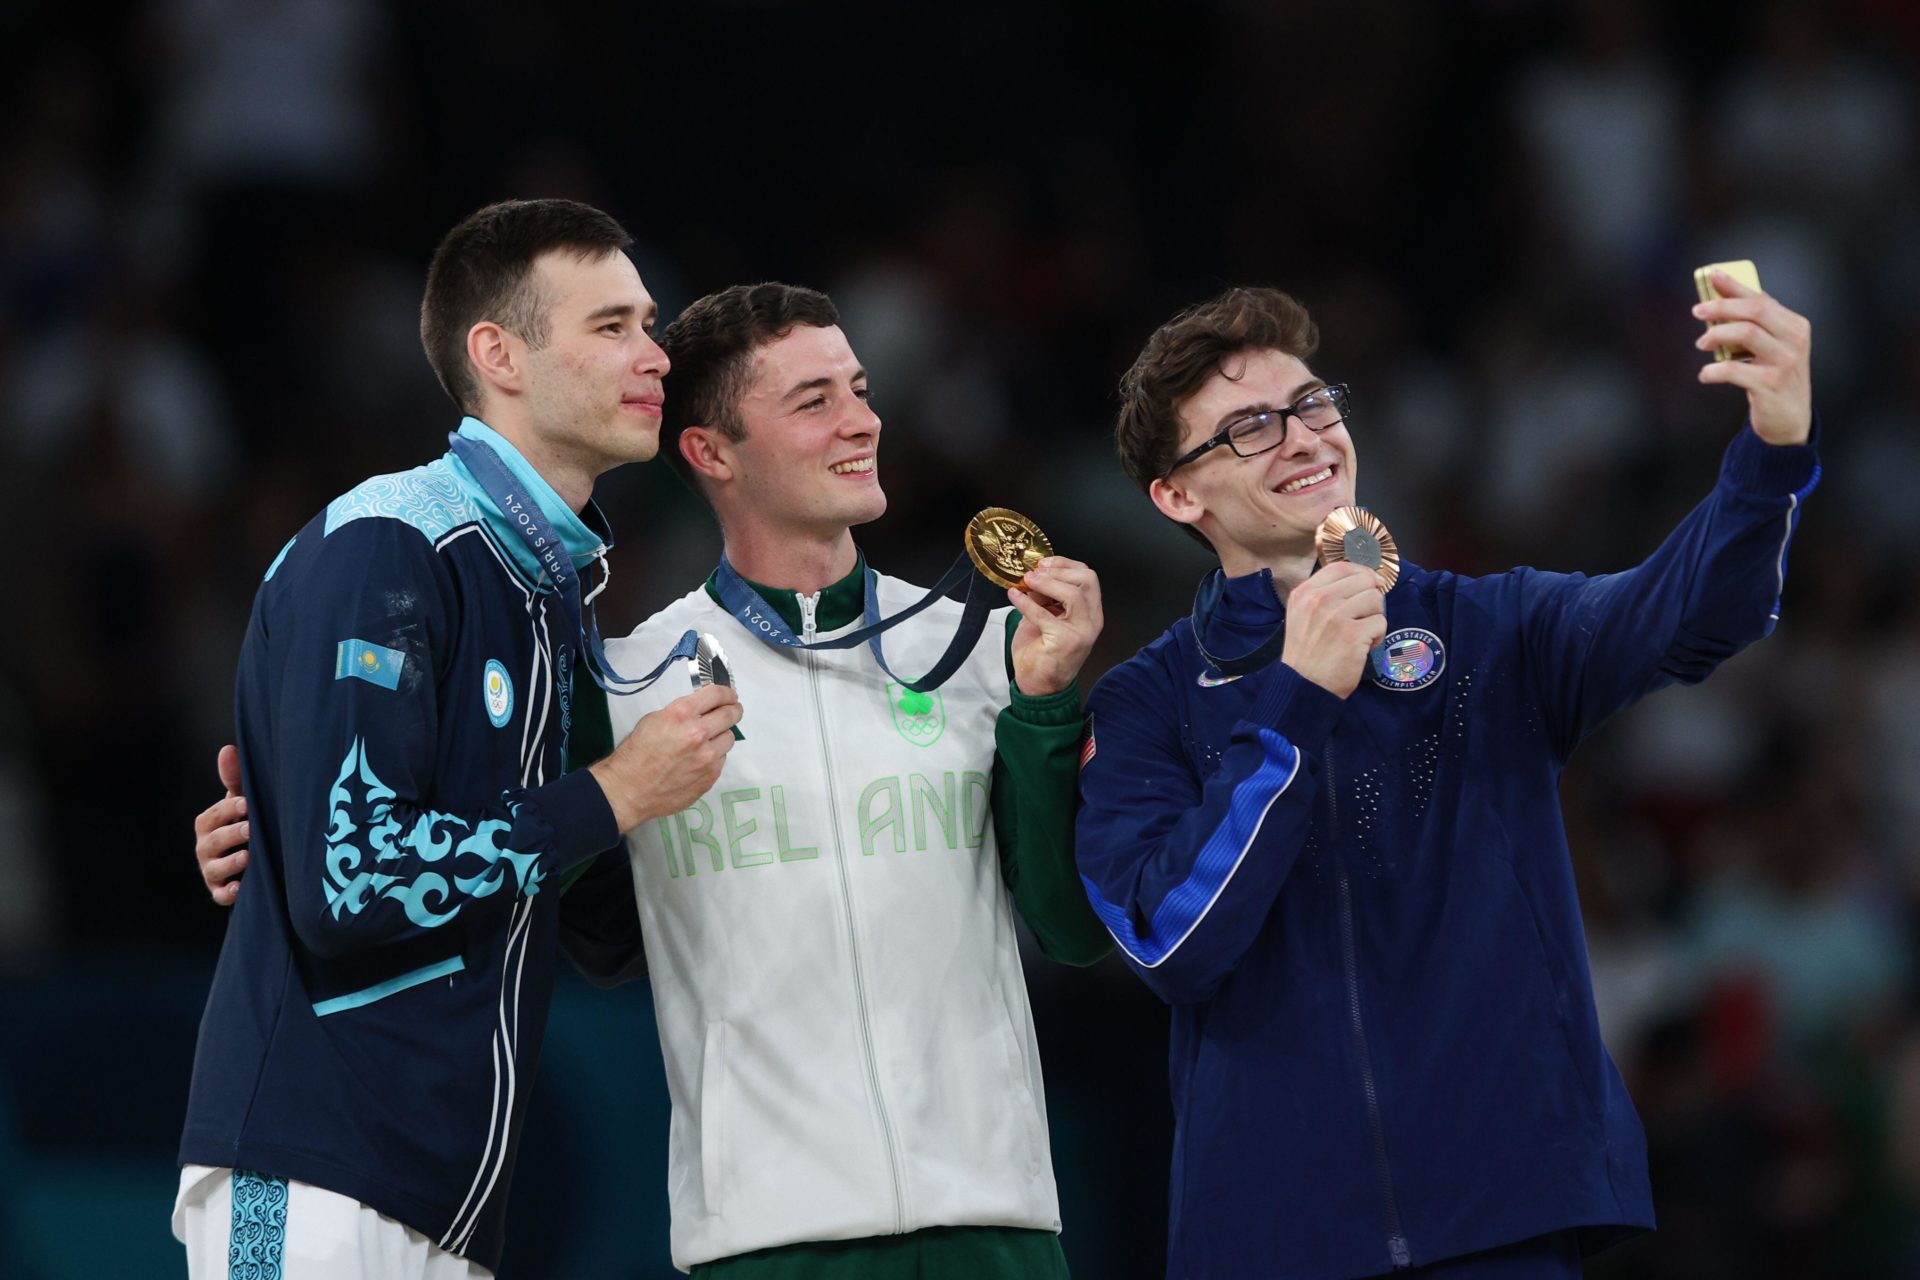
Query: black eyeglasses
pixel 1258 432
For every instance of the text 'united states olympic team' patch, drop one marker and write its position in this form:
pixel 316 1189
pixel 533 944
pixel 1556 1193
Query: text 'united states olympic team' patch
pixel 1407 659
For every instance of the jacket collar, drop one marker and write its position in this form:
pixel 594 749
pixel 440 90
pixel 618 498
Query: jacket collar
pixel 841 603
pixel 584 535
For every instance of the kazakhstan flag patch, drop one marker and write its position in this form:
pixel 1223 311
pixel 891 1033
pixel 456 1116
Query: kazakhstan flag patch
pixel 365 660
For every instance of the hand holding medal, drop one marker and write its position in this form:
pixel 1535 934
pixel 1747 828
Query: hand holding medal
pixel 1004 545
pixel 1058 599
pixel 1326 618
pixel 1356 534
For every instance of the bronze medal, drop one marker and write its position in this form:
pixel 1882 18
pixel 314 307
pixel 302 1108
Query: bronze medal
pixel 1004 544
pixel 1356 534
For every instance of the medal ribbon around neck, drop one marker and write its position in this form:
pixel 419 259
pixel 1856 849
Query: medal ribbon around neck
pixel 522 511
pixel 1348 533
pixel 751 611
pixel 1205 601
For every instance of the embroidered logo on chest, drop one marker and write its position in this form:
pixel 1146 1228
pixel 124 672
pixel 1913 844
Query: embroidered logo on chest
pixel 920 718
pixel 1408 659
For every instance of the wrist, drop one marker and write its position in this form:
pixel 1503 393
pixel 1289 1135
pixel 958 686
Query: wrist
pixel 1783 435
pixel 626 811
pixel 1038 686
pixel 1061 706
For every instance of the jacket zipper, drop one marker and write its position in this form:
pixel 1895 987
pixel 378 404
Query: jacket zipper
pixel 1396 1238
pixel 808 603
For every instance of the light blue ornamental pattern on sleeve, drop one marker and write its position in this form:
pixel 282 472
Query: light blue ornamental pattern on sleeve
pixel 1187 903
pixel 354 877
pixel 431 499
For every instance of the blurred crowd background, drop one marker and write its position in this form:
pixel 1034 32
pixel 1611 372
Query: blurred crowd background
pixel 215 217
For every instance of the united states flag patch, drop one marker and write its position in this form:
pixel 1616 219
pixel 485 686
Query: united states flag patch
pixel 1086 748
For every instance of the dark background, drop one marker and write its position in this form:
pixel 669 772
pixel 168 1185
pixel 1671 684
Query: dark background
pixel 214 222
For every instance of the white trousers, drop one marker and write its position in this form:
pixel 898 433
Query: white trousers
pixel 294 1231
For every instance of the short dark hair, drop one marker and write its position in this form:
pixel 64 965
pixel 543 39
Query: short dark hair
pixel 711 346
pixel 1179 358
pixel 483 270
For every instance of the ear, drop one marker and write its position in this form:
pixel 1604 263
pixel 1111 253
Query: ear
pixel 709 453
pixel 495 357
pixel 1176 503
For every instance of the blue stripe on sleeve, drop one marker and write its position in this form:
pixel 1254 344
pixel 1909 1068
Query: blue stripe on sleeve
pixel 1187 904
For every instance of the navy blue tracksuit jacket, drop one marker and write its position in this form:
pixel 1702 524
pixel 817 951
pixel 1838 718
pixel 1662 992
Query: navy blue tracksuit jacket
pixel 1384 1046
pixel 403 708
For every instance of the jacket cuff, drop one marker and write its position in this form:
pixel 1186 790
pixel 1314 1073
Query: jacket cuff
pixel 1048 710
pixel 1298 709
pixel 568 817
pixel 1752 466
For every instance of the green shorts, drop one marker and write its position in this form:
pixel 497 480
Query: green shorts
pixel 932 1253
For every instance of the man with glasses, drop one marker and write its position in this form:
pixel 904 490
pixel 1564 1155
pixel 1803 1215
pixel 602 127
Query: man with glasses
pixel 1320 818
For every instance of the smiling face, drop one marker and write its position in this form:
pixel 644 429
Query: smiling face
pixel 593 391
pixel 808 464
pixel 1260 510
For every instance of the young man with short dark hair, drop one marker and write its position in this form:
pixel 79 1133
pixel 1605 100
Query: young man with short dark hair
pixel 856 1089
pixel 1345 869
pixel 404 709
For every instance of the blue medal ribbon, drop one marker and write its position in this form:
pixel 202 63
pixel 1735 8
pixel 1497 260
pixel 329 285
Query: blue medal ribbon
pixel 522 512
pixel 759 618
pixel 1205 601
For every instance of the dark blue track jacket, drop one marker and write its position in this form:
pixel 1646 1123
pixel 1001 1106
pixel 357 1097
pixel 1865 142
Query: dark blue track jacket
pixel 376 1015
pixel 1384 1047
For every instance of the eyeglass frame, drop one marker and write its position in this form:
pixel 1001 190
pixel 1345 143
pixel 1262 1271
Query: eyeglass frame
pixel 1224 436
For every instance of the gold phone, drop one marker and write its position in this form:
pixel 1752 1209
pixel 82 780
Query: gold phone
pixel 1747 274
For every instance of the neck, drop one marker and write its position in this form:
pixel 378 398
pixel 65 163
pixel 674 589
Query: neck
pixel 791 562
pixel 571 478
pixel 1290 568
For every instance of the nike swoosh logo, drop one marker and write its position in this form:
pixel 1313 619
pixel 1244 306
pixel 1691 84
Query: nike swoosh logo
pixel 1208 680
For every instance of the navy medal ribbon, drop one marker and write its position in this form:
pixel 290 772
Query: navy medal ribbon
pixel 760 619
pixel 1205 601
pixel 522 511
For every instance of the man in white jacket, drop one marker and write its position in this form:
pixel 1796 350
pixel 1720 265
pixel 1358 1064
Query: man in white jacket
pixel 830 931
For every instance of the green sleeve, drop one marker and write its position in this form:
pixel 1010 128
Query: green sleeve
pixel 1036 764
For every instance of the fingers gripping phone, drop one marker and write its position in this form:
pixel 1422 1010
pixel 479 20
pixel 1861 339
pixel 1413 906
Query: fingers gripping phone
pixel 1747 274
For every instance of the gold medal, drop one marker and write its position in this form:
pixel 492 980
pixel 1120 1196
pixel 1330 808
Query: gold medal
pixel 1004 544
pixel 1356 534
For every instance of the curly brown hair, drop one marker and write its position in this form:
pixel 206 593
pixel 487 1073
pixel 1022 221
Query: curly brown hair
pixel 1179 358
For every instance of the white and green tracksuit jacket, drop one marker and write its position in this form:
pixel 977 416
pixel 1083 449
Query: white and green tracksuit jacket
pixel 830 939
